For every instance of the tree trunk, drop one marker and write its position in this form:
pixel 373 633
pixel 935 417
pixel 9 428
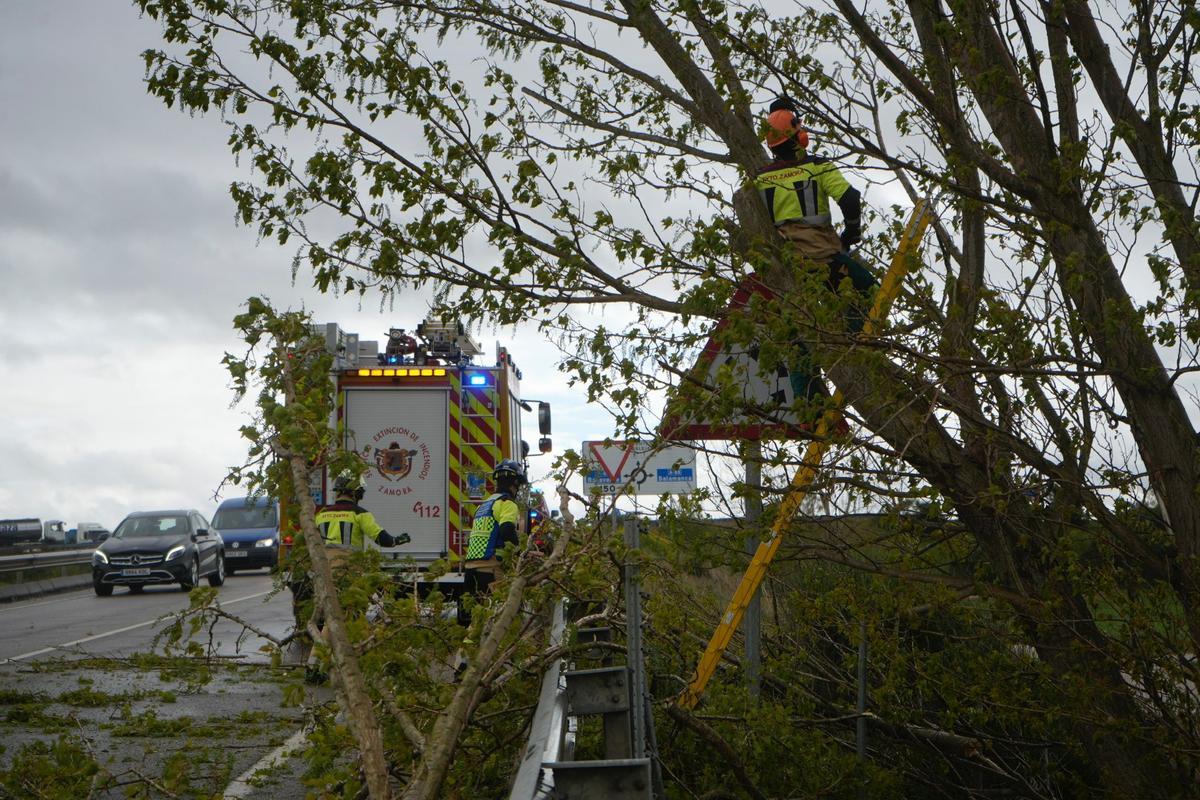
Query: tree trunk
pixel 346 674
pixel 899 410
pixel 442 742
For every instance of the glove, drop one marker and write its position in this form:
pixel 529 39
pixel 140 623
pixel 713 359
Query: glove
pixel 850 237
pixel 385 539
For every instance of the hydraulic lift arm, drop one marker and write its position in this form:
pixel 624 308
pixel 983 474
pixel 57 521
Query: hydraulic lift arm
pixel 914 231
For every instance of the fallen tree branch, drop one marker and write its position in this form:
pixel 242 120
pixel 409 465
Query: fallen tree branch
pixel 346 673
pixel 715 740
pixel 411 731
pixel 447 730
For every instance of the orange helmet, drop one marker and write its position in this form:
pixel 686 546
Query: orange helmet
pixel 783 125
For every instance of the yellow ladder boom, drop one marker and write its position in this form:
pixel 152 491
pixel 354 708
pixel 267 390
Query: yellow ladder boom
pixel 914 231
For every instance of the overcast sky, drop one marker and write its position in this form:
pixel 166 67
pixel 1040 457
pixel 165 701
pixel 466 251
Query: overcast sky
pixel 121 269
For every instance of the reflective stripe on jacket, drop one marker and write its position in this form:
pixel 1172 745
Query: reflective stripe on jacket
pixel 345 523
pixel 799 191
pixel 485 530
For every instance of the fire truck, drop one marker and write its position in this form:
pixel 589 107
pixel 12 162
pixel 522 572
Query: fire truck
pixel 430 423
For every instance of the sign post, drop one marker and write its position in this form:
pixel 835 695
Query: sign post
pixel 752 623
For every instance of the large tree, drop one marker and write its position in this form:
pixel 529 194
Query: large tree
pixel 521 159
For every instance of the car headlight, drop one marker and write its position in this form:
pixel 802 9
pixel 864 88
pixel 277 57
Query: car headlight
pixel 98 558
pixel 268 542
pixel 174 552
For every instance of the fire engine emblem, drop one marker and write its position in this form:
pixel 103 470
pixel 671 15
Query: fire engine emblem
pixel 394 462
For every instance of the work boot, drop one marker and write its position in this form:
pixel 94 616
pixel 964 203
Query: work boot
pixel 845 266
pixel 808 385
pixel 460 666
pixel 313 674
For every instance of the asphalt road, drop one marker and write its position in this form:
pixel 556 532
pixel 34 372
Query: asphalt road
pixel 86 668
pixel 80 623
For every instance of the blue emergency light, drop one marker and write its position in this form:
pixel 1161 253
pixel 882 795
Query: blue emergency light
pixel 477 379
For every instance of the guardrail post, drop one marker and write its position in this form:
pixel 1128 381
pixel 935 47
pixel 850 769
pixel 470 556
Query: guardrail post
pixel 619 779
pixel 601 635
pixel 604 691
pixel 618 694
pixel 633 637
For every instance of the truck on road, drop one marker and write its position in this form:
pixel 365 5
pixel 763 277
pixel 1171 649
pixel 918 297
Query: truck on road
pixel 89 532
pixel 54 531
pixel 430 425
pixel 19 531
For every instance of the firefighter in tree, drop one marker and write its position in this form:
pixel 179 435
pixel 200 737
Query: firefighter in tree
pixel 494 527
pixel 797 188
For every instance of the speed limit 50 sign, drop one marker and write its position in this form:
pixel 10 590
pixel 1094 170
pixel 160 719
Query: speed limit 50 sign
pixel 632 467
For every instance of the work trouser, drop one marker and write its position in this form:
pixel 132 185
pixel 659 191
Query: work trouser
pixel 477 582
pixel 339 567
pixel 805 375
pixel 301 583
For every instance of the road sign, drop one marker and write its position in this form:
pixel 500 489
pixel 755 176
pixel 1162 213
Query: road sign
pixel 611 465
pixel 767 390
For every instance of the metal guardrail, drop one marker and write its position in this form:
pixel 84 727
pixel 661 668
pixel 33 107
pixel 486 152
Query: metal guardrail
pixel 629 769
pixel 56 558
pixel 549 740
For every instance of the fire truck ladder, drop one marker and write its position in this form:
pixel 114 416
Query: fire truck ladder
pixel 914 231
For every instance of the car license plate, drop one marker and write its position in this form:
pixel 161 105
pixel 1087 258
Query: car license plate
pixel 136 571
pixel 236 554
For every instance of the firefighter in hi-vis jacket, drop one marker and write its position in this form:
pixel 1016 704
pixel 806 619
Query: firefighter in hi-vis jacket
pixel 494 527
pixel 345 525
pixel 796 188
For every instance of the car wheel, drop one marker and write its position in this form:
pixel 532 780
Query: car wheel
pixel 217 576
pixel 193 576
pixel 102 589
pixel 136 588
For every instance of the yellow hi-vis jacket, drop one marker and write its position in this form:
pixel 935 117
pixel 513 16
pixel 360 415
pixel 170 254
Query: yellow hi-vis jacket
pixel 799 191
pixel 345 523
pixel 488 532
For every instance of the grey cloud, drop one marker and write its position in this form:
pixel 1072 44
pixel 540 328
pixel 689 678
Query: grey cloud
pixel 73 71
pixel 28 465
pixel 103 204
pixel 130 241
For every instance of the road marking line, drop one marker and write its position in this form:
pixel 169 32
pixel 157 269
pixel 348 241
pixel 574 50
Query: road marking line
pixel 94 637
pixel 241 786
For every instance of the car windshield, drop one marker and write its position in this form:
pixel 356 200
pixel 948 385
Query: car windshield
pixel 230 519
pixel 152 526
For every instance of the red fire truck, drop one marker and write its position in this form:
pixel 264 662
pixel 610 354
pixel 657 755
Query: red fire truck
pixel 431 424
